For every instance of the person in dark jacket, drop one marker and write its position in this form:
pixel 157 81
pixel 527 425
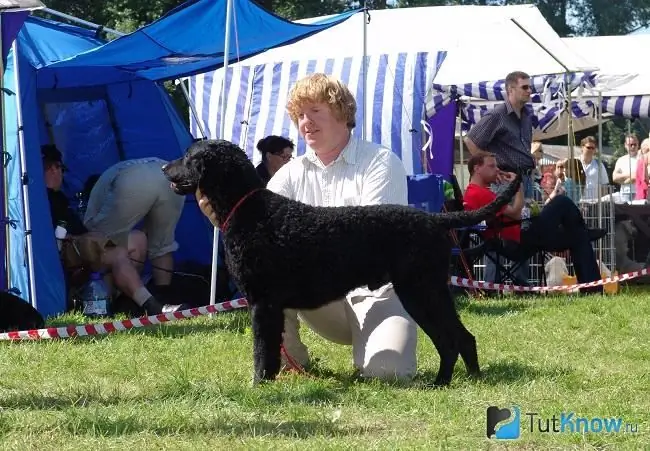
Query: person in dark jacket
pixel 276 152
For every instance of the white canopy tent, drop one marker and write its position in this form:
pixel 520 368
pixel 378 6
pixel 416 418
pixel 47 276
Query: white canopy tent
pixel 623 79
pixel 408 49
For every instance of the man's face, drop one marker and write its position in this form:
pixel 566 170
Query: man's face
pixel 54 176
pixel 520 93
pixel 488 170
pixel 632 146
pixel 589 149
pixel 320 128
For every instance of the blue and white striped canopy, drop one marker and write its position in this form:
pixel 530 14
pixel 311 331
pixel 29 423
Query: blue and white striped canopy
pixel 545 89
pixel 257 96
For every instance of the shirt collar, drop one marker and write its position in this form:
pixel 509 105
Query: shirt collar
pixel 510 109
pixel 347 155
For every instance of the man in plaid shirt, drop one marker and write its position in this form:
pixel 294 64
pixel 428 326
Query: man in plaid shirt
pixel 507 133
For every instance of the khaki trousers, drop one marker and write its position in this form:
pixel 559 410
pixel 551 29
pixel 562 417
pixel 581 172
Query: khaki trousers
pixel 383 336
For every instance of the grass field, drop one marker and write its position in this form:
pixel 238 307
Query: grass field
pixel 186 385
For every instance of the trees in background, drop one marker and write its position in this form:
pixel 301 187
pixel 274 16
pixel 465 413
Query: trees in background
pixel 567 17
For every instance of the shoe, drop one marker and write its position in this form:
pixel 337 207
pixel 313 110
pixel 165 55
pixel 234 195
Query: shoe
pixel 596 234
pixel 153 307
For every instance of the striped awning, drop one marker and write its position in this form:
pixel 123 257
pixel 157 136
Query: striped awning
pixel 257 96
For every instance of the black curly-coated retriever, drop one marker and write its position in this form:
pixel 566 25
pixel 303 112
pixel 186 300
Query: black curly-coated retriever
pixel 285 254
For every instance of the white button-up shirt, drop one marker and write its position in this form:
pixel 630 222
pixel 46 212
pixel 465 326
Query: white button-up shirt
pixel 363 174
pixel 591 178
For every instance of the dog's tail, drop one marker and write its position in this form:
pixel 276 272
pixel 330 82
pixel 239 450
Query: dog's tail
pixel 473 217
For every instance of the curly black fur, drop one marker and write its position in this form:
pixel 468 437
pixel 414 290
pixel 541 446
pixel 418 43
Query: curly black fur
pixel 18 314
pixel 285 254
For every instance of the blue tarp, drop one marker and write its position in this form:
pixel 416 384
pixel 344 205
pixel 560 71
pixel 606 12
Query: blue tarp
pixel 188 40
pixel 94 128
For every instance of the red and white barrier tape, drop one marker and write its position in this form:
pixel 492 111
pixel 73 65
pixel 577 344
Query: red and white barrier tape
pixel 467 283
pixel 118 326
pixel 134 323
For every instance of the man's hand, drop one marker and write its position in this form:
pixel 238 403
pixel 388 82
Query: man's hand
pixel 206 208
pixel 505 177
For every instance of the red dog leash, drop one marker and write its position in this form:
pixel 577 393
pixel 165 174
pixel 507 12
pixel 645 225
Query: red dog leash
pixel 224 226
pixel 292 363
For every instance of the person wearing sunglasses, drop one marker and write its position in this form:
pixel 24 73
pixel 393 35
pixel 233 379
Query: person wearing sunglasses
pixel 507 133
pixel 591 167
pixel 276 152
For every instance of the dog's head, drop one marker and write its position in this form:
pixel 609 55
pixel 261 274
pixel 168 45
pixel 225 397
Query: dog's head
pixel 210 162
pixel 219 169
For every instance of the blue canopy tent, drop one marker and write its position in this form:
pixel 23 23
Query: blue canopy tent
pixel 176 45
pixel 104 105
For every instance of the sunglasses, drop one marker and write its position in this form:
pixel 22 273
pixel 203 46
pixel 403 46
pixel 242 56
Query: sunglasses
pixel 590 148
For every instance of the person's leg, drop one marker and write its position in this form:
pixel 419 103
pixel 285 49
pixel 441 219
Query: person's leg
pixel 330 322
pixel 137 248
pixel 127 279
pixel 291 339
pixel 384 335
pixel 561 226
pixel 160 225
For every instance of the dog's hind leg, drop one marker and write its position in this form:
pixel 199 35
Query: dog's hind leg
pixel 419 299
pixel 268 323
pixel 463 339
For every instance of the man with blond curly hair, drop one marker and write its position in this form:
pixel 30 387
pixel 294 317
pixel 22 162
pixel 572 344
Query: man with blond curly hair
pixel 339 169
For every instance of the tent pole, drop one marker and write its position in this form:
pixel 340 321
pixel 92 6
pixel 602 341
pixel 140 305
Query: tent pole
pixel 193 108
pixel 364 68
pixel 222 130
pixel 25 180
pixel 82 22
pixel 599 157
pixel 6 278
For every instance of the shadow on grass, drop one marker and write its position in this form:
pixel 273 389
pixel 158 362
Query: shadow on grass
pixel 497 373
pixel 495 307
pixel 110 427
pixel 60 402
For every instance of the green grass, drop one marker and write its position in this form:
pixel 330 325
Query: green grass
pixel 186 385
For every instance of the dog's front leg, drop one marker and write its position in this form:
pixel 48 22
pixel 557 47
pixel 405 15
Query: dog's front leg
pixel 267 338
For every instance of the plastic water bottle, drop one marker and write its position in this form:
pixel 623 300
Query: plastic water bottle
pixel 60 233
pixel 81 205
pixel 96 299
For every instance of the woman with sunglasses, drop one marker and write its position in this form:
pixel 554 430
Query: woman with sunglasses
pixel 276 152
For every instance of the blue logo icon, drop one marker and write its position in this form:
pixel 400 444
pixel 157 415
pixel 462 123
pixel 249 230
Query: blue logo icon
pixel 503 424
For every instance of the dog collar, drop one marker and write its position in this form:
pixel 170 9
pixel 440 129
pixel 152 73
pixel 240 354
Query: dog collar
pixel 224 226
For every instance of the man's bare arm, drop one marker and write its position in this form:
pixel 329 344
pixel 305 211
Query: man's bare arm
pixel 471 146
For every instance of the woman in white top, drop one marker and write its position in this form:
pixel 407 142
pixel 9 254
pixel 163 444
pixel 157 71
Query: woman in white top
pixel 338 169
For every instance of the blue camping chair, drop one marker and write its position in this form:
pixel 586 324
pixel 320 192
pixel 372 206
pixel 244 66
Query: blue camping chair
pixel 426 192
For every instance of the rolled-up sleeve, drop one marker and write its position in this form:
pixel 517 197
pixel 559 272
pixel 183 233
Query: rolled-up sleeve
pixel 384 181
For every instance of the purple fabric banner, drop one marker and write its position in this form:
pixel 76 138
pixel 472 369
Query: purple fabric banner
pixel 440 154
pixel 11 24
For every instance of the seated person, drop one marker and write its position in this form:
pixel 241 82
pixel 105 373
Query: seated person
pixel 132 191
pixel 276 152
pixel 551 186
pixel 558 227
pixel 114 258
